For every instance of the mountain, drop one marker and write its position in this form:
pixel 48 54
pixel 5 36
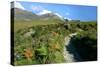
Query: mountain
pixel 23 15
pixel 46 14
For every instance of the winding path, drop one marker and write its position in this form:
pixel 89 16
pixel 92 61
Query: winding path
pixel 70 53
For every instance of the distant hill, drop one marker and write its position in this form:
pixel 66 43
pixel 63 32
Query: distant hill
pixel 24 19
pixel 27 16
pixel 22 15
pixel 51 16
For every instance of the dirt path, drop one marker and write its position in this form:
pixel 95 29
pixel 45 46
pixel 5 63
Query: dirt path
pixel 70 53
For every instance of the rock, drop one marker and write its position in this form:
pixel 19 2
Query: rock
pixel 30 33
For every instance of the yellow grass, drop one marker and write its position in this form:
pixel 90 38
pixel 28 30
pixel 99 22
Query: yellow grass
pixel 25 25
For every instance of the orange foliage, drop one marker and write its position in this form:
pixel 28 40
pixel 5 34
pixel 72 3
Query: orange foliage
pixel 55 33
pixel 28 53
pixel 55 46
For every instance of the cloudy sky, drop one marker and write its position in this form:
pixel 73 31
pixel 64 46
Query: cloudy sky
pixel 75 12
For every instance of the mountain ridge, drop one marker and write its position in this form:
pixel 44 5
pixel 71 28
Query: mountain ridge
pixel 24 15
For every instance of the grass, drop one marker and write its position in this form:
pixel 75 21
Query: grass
pixel 46 44
pixel 18 25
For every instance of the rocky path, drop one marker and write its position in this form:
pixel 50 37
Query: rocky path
pixel 70 53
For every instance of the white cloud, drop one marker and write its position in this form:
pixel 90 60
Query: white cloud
pixel 18 5
pixel 58 15
pixel 61 17
pixel 44 12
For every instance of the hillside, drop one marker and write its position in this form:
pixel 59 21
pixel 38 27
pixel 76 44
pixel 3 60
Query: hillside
pixel 28 16
pixel 22 15
pixel 24 19
pixel 45 44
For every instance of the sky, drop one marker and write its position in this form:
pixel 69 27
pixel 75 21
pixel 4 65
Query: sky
pixel 71 12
